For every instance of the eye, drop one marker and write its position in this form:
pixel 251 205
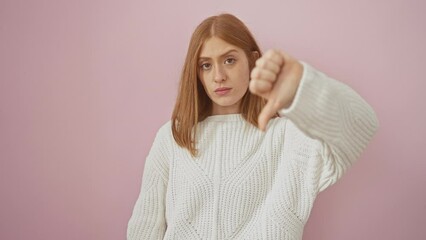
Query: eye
pixel 230 60
pixel 205 66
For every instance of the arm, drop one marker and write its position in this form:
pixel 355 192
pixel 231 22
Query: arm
pixel 334 123
pixel 334 114
pixel 148 219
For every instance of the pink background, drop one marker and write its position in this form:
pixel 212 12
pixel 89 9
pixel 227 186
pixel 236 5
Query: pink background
pixel 85 85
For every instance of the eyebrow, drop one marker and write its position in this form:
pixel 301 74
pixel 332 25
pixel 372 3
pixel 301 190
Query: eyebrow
pixel 226 53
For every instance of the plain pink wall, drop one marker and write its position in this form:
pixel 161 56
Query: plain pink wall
pixel 84 86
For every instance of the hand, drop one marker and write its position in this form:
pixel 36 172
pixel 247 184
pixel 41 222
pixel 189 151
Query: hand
pixel 276 78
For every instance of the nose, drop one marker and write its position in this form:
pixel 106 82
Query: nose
pixel 219 74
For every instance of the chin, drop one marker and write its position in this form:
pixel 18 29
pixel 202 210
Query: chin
pixel 226 103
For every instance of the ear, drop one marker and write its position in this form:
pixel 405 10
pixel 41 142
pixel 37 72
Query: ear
pixel 255 55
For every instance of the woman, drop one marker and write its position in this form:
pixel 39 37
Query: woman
pixel 252 140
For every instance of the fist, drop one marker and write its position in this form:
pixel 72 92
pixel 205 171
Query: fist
pixel 276 78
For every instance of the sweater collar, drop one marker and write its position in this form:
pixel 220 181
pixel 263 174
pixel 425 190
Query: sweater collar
pixel 234 117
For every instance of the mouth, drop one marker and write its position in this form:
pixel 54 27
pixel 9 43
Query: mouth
pixel 222 91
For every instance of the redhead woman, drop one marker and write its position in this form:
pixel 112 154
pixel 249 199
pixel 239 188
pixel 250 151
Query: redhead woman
pixel 253 139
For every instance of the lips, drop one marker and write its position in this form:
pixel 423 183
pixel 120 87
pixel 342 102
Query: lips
pixel 221 89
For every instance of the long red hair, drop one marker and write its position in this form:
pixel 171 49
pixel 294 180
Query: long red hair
pixel 193 104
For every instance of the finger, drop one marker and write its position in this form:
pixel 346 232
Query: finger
pixel 263 74
pixel 264 63
pixel 266 114
pixel 275 56
pixel 260 87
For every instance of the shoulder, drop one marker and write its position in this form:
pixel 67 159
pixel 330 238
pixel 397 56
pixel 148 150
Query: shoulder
pixel 277 124
pixel 164 133
pixel 286 130
pixel 165 128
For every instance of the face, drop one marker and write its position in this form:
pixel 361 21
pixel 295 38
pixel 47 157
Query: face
pixel 224 72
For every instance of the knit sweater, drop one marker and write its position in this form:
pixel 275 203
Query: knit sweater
pixel 250 184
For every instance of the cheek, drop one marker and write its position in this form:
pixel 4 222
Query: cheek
pixel 201 80
pixel 244 74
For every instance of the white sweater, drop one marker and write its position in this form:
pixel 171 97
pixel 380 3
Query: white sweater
pixel 249 184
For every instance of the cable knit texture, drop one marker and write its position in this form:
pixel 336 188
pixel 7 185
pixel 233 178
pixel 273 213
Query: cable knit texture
pixel 249 184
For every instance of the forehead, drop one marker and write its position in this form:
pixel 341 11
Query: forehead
pixel 215 47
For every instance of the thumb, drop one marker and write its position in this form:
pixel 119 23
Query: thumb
pixel 266 114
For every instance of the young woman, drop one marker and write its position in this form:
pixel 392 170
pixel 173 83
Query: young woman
pixel 252 140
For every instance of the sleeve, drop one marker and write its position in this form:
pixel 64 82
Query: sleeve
pixel 338 119
pixel 148 219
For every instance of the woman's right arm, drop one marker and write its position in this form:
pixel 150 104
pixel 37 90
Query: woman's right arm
pixel 148 220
